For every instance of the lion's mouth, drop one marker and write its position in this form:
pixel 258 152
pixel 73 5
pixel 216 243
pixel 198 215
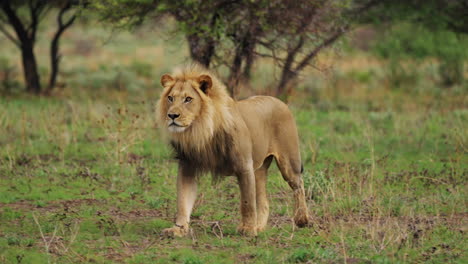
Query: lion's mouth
pixel 176 128
pixel 175 124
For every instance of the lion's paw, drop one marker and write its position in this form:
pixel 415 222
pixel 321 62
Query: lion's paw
pixel 176 231
pixel 261 228
pixel 250 231
pixel 301 219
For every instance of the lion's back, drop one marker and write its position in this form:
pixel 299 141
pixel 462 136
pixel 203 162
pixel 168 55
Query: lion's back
pixel 272 127
pixel 264 109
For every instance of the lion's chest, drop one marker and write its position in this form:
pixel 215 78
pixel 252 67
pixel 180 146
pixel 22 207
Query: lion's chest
pixel 215 157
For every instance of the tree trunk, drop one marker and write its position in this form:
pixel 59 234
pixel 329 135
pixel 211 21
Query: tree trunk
pixel 287 79
pixel 235 76
pixel 54 63
pixel 55 45
pixel 31 76
pixel 290 73
pixel 249 59
pixel 26 40
pixel 243 57
pixel 201 49
pixel 249 49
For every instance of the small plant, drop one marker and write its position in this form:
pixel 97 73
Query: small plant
pixel 156 203
pixel 317 185
pixel 142 68
pixel 301 255
pixel 8 74
pixel 13 241
pixel 400 75
pixel 451 71
pixel 192 260
pixel 108 226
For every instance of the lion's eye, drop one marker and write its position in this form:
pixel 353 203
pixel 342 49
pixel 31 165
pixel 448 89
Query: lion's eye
pixel 170 98
pixel 188 99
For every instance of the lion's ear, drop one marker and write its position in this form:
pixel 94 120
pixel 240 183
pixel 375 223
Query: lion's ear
pixel 165 79
pixel 205 83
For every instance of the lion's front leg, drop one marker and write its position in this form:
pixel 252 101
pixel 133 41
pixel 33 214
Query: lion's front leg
pixel 248 205
pixel 186 196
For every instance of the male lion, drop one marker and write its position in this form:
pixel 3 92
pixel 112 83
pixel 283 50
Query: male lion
pixel 210 132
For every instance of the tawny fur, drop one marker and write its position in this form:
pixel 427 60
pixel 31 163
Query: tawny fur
pixel 210 132
pixel 215 113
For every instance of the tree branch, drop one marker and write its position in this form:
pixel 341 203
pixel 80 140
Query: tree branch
pixel 15 22
pixel 34 11
pixel 292 54
pixel 64 26
pixel 54 46
pixel 327 42
pixel 10 36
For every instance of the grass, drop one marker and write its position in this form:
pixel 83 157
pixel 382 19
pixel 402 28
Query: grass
pixel 86 176
pixel 94 182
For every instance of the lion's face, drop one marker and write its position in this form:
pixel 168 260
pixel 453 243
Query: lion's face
pixel 183 107
pixel 181 103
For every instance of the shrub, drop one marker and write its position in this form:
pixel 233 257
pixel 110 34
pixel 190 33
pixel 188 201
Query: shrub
pixel 407 41
pixel 8 75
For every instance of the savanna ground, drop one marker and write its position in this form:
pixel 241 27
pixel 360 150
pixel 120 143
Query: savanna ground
pixel 85 176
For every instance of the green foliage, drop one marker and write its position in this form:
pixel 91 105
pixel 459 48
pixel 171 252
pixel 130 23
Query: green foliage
pixel 9 214
pixel 120 78
pixel 192 260
pixel 432 14
pixel 401 43
pixel 451 70
pixel 301 255
pixel 142 69
pixel 8 75
pixel 156 202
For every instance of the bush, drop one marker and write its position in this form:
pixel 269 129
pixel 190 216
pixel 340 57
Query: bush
pixel 409 41
pixel 118 78
pixel 8 75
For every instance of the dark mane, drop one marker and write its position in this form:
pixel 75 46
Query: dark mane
pixel 214 157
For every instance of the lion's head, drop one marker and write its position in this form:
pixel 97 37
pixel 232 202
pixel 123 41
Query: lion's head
pixel 193 105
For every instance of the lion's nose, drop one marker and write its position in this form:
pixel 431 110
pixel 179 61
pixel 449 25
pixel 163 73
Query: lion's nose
pixel 173 116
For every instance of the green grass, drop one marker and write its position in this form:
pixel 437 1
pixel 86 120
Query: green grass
pixel 86 177
pixel 97 184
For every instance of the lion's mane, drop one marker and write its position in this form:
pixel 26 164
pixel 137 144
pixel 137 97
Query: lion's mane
pixel 207 140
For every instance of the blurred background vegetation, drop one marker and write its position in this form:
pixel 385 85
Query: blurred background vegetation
pixel 297 44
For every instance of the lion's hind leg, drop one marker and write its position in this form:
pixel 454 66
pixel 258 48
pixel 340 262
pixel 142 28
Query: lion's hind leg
pixel 291 172
pixel 263 207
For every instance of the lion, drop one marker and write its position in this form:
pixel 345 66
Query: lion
pixel 211 132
